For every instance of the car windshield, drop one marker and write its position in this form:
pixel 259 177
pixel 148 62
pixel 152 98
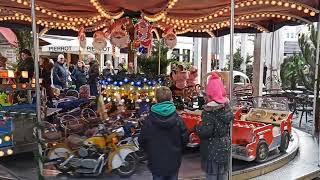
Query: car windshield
pixel 276 103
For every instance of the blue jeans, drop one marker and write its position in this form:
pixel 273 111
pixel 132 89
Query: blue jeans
pixel 173 177
pixel 93 90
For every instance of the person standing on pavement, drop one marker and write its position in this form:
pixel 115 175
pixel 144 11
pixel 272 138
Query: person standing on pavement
pixel 214 131
pixel 26 63
pixel 79 75
pixel 163 137
pixel 60 73
pixel 45 73
pixel 93 74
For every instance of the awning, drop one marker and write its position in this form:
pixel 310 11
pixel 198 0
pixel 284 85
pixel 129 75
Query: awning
pixel 9 36
pixel 188 17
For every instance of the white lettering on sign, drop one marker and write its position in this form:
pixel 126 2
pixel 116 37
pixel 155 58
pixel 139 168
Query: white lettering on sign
pixel 60 48
pixel 9 52
pixel 106 50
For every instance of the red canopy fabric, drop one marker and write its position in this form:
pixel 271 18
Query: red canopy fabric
pixel 9 35
pixel 185 15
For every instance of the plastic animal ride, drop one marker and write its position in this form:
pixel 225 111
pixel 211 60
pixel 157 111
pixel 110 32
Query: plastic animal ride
pixel 4 99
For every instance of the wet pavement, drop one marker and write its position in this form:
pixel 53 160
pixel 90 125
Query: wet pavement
pixel 306 162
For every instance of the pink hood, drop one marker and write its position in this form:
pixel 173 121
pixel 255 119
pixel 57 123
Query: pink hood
pixel 215 90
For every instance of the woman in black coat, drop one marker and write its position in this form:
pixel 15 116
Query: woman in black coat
pixel 79 75
pixel 45 74
pixel 214 132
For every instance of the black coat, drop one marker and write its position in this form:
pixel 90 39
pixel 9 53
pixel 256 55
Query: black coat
pixel 93 73
pixel 60 75
pixel 26 65
pixel 214 133
pixel 163 139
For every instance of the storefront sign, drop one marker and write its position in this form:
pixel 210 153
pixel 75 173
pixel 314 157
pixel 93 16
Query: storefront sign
pixel 69 49
pixel 8 52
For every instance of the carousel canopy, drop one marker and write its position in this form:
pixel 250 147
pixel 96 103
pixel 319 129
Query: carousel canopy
pixel 187 17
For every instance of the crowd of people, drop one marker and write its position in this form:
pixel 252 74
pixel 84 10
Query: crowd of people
pixel 163 131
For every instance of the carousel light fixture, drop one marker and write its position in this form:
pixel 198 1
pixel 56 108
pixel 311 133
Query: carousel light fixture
pixel 286 3
pixel 51 13
pixel 273 15
pixel 161 15
pixel 103 12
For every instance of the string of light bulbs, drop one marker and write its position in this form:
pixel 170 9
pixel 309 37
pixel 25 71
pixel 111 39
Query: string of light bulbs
pixel 103 12
pixel 288 4
pixel 160 15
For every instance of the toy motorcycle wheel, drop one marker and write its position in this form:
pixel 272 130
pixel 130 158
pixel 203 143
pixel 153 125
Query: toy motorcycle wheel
pixel 285 139
pixel 262 151
pixel 141 155
pixel 129 167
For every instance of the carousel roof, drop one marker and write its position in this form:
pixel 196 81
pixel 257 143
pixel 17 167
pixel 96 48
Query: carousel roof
pixel 188 17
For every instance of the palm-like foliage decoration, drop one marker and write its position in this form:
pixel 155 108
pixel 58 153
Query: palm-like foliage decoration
pixel 149 65
pixel 300 68
pixel 291 71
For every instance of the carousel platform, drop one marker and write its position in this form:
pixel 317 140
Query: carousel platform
pixel 299 162
pixel 190 168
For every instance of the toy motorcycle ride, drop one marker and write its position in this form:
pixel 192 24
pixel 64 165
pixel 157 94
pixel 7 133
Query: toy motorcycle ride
pixel 95 155
pixel 131 135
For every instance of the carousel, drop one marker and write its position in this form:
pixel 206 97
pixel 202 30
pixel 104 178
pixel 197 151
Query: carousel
pixel 84 135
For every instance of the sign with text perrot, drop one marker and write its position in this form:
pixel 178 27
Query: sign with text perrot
pixel 70 49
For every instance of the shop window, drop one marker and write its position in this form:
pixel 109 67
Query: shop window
pixel 186 55
pixel 175 52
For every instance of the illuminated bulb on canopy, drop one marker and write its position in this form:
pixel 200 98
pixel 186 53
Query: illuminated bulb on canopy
pixel 312 13
pixel 273 2
pixel 306 11
pixel 293 6
pixel 286 4
pixel 299 8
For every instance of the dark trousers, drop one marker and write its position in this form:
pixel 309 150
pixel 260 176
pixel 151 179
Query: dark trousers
pixel 173 177
pixel 93 90
pixel 224 176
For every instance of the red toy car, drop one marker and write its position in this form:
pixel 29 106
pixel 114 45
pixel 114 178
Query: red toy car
pixel 254 134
